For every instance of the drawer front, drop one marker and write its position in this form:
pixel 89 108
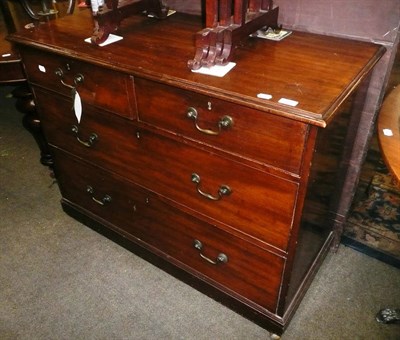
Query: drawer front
pixel 269 139
pixel 228 262
pixel 246 199
pixel 103 88
pixel 101 137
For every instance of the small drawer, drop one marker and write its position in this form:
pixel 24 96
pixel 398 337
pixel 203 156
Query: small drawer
pixel 107 89
pixel 272 140
pixel 100 137
pixel 248 200
pixel 218 257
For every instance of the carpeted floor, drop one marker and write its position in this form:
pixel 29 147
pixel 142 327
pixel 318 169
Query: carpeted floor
pixel 61 280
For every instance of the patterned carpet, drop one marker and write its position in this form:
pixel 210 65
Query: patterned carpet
pixel 373 226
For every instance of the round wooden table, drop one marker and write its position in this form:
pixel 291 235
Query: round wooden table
pixel 389 132
pixel 389 142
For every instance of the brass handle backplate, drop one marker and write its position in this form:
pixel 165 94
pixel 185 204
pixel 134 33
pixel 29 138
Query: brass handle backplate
pixel 93 138
pixel 221 258
pixel 103 201
pixel 225 122
pixel 223 190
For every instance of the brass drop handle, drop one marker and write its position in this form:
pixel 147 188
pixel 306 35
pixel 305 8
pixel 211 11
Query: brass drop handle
pixel 223 190
pixel 92 138
pixel 221 258
pixel 225 122
pixel 78 79
pixel 103 201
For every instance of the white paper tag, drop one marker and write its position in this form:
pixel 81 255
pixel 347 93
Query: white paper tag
pixel 288 102
pixel 264 96
pixel 77 106
pixel 216 70
pixel 112 38
pixel 42 68
pixel 388 132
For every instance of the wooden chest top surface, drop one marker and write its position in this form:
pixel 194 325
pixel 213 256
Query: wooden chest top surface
pixel 319 72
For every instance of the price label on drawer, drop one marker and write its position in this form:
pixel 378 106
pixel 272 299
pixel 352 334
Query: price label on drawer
pixel 77 105
pixel 42 68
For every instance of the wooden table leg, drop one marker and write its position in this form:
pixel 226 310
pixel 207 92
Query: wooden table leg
pixel 26 105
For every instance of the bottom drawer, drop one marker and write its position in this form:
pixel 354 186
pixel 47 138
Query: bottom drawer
pixel 234 265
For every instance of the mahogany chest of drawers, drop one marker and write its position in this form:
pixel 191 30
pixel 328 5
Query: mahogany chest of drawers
pixel 226 190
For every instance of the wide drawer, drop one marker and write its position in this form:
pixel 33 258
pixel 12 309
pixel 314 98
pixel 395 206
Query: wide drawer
pixel 107 89
pixel 273 140
pixel 228 262
pixel 239 197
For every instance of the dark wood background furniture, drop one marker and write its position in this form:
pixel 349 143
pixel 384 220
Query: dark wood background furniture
pixel 10 61
pixel 228 23
pixel 108 15
pixel 243 213
pixel 12 73
pixel 15 15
